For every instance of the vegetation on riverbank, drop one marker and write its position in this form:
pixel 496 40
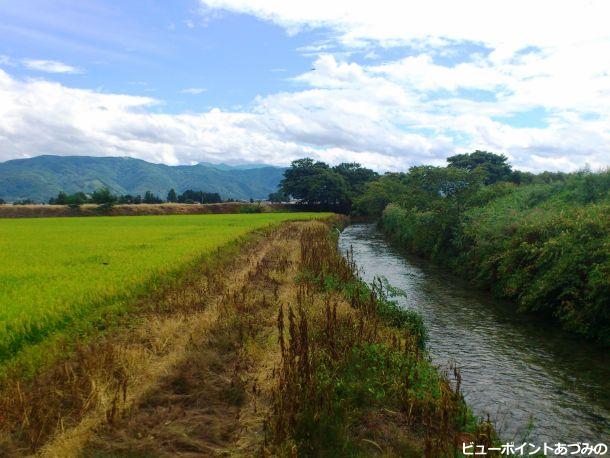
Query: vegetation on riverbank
pixel 544 245
pixel 354 379
pixel 274 349
pixel 541 240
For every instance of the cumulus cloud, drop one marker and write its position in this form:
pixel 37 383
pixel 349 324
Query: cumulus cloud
pixel 42 117
pixel 49 66
pixel 517 56
pixel 348 113
pixel 504 25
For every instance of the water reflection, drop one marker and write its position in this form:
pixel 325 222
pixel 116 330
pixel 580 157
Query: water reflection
pixel 530 378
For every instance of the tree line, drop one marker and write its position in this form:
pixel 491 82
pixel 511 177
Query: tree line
pixel 104 196
pixel 351 188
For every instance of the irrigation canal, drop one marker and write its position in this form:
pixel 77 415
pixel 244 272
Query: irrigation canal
pixel 537 383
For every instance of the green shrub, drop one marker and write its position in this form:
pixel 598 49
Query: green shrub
pixel 544 245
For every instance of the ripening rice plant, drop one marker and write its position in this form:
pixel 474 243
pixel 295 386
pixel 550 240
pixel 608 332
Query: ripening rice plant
pixel 66 274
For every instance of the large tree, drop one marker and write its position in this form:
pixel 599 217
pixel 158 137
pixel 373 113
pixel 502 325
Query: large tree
pixel 314 182
pixel 356 176
pixel 297 181
pixel 495 167
pixel 150 198
pixel 172 196
pixel 278 197
pixel 433 187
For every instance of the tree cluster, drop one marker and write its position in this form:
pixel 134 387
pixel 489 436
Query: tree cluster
pixel 316 183
pixel 24 202
pixel 191 197
pixel 104 196
pixel 431 188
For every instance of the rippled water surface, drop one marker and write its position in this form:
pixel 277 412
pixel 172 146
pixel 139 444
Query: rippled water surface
pixel 514 369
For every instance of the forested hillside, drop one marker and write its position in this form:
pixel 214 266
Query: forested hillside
pixel 42 177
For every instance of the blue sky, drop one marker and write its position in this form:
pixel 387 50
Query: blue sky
pixel 268 81
pixel 155 49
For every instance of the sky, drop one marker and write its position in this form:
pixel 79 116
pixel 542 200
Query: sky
pixel 388 84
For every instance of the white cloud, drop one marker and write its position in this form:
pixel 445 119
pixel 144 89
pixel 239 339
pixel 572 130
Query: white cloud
pixel 547 55
pixel 41 117
pixel 50 66
pixel 504 25
pixel 193 90
pixel 349 113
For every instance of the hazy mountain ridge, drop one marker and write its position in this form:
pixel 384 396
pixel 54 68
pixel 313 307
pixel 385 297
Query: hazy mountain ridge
pixel 42 177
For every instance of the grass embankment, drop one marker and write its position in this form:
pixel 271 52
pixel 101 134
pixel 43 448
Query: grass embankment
pixel 73 276
pixel 545 246
pixel 276 349
pixel 51 211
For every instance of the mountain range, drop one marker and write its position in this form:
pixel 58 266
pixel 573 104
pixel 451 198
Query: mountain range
pixel 42 177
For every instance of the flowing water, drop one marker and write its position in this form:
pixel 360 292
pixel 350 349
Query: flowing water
pixel 533 380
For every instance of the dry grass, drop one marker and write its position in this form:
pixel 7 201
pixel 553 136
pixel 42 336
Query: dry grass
pixel 349 382
pixel 100 380
pixel 47 211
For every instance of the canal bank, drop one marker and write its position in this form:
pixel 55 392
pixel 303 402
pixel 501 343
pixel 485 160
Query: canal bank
pixel 534 381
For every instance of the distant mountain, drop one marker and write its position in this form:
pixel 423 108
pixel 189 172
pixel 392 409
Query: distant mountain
pixel 42 177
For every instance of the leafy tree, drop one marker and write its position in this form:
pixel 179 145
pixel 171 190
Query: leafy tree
pixel 129 199
pixel 76 199
pixel 356 176
pixel 433 187
pixel 61 199
pixel 298 179
pixel 2 201
pixel 189 197
pixel 171 196
pixel 379 193
pixel 495 167
pixel 150 198
pixel 316 183
pixel 331 190
pixel 103 196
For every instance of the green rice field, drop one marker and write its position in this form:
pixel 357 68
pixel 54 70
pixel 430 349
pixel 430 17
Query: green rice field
pixel 56 271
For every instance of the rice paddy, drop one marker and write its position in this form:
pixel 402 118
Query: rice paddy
pixel 56 271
